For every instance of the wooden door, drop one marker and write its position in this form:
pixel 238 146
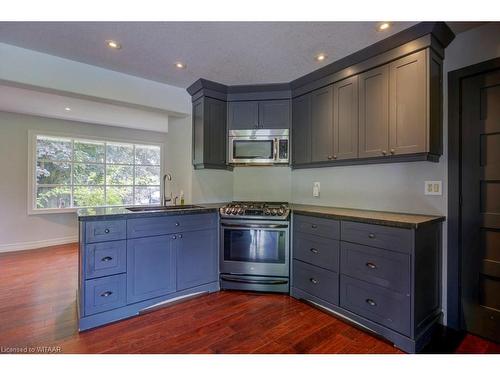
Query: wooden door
pixel 151 267
pixel 215 126
pixel 301 130
pixel 274 114
pixel 374 112
pixel 197 258
pixel 243 115
pixel 345 119
pixel 481 204
pixel 322 124
pixel 408 122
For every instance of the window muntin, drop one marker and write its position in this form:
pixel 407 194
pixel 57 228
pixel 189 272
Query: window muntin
pixel 71 173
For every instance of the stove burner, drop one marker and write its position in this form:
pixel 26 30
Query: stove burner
pixel 256 210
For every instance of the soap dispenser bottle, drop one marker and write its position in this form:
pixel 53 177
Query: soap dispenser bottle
pixel 182 197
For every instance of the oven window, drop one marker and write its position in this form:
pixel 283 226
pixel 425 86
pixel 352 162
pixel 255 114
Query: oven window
pixel 254 245
pixel 253 149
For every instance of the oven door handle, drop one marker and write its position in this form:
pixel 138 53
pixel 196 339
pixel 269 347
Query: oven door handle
pixel 249 281
pixel 258 226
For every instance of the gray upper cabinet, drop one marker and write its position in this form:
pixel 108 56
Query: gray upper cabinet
pixel 407 105
pixel 322 124
pixel 243 115
pixel 263 114
pixel 345 119
pixel 301 130
pixel 374 112
pixel 209 133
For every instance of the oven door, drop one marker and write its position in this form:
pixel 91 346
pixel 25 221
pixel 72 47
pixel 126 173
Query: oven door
pixel 255 247
pixel 252 150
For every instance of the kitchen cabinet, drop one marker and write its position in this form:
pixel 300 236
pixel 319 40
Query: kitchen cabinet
pixel 197 255
pixel 301 130
pixel 374 112
pixel 209 133
pixel 345 119
pixel 156 259
pixel 383 277
pixel 322 124
pixel 262 114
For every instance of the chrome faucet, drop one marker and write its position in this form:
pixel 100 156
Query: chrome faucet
pixel 166 177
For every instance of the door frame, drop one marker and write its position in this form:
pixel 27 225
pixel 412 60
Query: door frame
pixel 454 257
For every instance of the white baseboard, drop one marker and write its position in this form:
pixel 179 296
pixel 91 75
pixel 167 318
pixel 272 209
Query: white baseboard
pixel 36 244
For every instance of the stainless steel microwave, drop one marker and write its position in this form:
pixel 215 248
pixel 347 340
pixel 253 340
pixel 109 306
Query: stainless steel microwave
pixel 259 147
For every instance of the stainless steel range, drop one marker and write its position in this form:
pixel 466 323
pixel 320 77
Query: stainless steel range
pixel 255 248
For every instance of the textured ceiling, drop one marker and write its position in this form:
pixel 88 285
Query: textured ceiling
pixel 226 52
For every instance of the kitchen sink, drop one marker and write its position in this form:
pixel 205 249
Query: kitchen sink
pixel 162 208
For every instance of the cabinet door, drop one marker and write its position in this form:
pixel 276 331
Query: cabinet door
pixel 274 114
pixel 198 134
pixel 322 124
pixel 301 130
pixel 374 112
pixel 345 119
pixel 150 267
pixel 197 258
pixel 408 105
pixel 243 115
pixel 215 126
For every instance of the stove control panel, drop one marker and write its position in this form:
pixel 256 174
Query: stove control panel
pixel 256 210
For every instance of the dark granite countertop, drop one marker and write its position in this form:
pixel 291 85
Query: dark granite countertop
pixel 106 213
pixel 393 219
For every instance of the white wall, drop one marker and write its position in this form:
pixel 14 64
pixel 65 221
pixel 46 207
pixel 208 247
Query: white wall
pixel 18 230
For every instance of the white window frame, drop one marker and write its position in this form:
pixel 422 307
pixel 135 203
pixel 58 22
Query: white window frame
pixel 32 160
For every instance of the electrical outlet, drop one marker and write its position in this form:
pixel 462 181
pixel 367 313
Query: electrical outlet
pixel 316 188
pixel 433 188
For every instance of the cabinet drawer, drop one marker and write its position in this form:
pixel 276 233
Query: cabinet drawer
pixel 390 238
pixel 385 268
pixel 316 225
pixel 375 303
pixel 105 293
pixel 316 281
pixel 322 252
pixel 157 226
pixel 105 258
pixel 109 230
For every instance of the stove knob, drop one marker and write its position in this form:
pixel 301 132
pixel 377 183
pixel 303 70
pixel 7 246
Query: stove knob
pixel 281 212
pixel 274 211
pixel 241 211
pixel 267 212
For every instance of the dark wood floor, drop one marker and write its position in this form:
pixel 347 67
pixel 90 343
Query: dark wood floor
pixel 38 308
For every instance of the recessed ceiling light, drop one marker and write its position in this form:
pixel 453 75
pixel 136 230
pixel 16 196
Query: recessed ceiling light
pixel 67 109
pixel 320 57
pixel 180 65
pixel 383 26
pixel 113 44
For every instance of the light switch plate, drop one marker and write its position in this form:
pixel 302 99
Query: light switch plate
pixel 316 189
pixel 433 188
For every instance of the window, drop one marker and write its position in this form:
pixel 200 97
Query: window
pixel 70 172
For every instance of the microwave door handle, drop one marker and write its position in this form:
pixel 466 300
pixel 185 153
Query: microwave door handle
pixel 275 151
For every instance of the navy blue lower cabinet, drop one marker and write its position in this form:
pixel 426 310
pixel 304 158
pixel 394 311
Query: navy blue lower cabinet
pixel 197 258
pixel 388 278
pixel 151 268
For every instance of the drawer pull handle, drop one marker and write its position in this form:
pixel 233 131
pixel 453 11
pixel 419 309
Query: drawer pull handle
pixel 314 226
pixel 314 251
pixel 371 302
pixel 371 235
pixel 106 230
pixel 106 259
pixel 174 237
pixel 106 294
pixel 177 224
pixel 314 281
pixel 371 265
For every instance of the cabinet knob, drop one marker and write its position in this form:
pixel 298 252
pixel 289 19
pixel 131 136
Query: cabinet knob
pixel 314 251
pixel 106 294
pixel 335 156
pixel 330 157
pixel 371 302
pixel 371 265
pixel 177 224
pixel 393 151
pixel 313 280
pixel 174 237
pixel 384 152
pixel 106 230
pixel 106 259
pixel 179 236
pixel 371 235
pixel 314 226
